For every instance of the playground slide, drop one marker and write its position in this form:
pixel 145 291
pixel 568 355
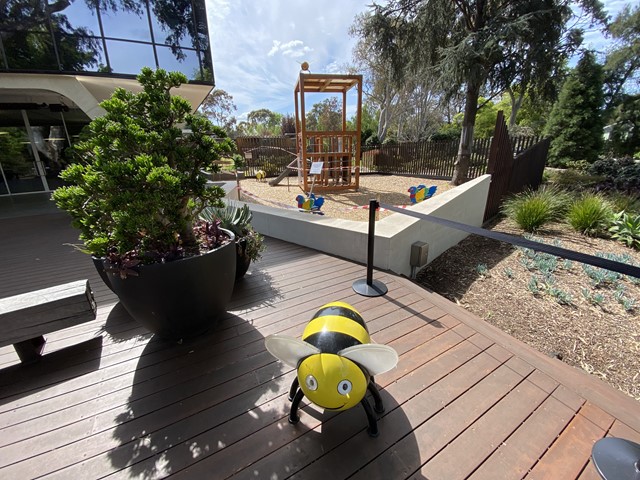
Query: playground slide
pixel 292 167
pixel 279 178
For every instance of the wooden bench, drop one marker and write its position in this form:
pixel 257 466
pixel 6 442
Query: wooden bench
pixel 25 318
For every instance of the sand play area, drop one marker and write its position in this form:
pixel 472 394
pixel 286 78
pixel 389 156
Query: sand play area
pixel 389 189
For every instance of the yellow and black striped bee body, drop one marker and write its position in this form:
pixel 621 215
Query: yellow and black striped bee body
pixel 334 327
pixel 335 362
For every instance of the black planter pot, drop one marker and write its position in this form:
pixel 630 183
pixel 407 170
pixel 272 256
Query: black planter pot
pixel 178 299
pixel 242 259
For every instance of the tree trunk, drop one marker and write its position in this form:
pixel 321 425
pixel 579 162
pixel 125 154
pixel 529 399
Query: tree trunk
pixel 516 103
pixel 461 165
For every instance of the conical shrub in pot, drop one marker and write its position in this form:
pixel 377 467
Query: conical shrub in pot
pixel 136 191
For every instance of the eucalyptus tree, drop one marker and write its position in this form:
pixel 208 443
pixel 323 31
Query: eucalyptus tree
pixel 475 45
pixel 409 107
pixel 378 86
pixel 325 115
pixel 261 122
pixel 219 107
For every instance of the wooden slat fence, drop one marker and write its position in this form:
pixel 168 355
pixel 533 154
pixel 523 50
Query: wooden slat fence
pixel 512 174
pixel 433 159
pixel 521 143
pixel 528 167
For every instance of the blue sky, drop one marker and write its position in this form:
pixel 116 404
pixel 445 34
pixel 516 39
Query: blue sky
pixel 258 45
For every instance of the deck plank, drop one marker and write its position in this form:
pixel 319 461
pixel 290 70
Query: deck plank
pixel 569 454
pixel 518 453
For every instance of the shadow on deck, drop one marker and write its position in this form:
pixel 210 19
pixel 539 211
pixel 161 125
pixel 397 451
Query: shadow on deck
pixel 108 399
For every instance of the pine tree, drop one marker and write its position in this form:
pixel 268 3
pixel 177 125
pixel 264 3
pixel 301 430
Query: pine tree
pixel 576 123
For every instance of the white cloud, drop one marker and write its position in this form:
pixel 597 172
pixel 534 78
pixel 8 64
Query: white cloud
pixel 293 49
pixel 258 47
pixel 333 67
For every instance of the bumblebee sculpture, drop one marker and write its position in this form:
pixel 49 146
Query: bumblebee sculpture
pixel 336 362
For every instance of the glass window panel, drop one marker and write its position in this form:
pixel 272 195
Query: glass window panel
pixel 207 66
pixel 29 50
pixel 129 57
pixel 190 65
pixel 52 144
pixel 173 23
pixel 17 161
pixel 126 24
pixel 202 30
pixel 23 15
pixel 3 58
pixel 77 18
pixel 81 53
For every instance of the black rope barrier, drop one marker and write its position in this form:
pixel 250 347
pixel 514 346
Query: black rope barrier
pixel 600 262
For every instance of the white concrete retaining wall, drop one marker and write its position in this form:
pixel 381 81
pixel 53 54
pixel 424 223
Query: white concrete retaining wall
pixel 394 234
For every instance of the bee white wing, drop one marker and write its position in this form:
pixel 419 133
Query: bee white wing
pixel 288 349
pixel 375 358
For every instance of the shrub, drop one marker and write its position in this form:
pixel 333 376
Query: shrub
pixel 620 173
pixel 590 215
pixel 626 229
pixel 533 209
pixel 572 179
pixel 624 202
pixel 138 186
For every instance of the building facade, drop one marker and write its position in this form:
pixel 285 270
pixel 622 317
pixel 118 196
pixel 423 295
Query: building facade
pixel 60 58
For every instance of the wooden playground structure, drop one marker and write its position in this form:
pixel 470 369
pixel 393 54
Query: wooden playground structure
pixel 339 151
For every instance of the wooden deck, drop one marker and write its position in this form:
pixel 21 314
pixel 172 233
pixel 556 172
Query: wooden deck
pixel 109 400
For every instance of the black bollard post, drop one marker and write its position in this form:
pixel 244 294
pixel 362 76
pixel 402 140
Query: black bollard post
pixel 370 287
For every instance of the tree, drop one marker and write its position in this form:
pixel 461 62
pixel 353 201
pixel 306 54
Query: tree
pixel 219 108
pixel 325 116
pixel 288 124
pixel 410 109
pixel 368 124
pixel 378 84
pixel 624 138
pixel 485 118
pixel 622 66
pixel 261 122
pixel 576 123
pixel 475 45
pixel 418 113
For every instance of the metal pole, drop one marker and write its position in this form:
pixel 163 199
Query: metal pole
pixel 370 287
pixel 373 207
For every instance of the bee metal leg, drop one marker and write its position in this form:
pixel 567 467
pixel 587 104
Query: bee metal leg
pixel 293 414
pixel 378 405
pixel 294 387
pixel 373 423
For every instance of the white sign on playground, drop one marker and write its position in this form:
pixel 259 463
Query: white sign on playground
pixel 316 168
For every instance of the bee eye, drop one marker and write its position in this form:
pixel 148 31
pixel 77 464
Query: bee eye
pixel 344 387
pixel 312 383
